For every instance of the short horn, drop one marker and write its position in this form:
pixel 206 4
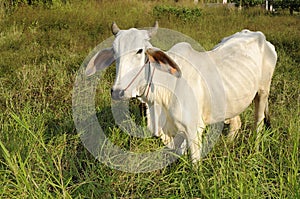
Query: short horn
pixel 153 30
pixel 156 25
pixel 114 28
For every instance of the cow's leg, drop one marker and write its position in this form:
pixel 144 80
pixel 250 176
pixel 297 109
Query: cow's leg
pixel 194 138
pixel 178 143
pixel 167 140
pixel 234 126
pixel 261 109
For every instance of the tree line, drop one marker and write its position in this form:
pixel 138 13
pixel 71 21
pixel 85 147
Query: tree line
pixel 292 5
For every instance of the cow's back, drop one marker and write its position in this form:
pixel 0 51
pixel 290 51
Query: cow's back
pixel 239 60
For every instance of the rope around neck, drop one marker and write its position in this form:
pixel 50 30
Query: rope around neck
pixel 149 81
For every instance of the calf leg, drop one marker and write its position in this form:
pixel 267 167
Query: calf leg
pixel 261 110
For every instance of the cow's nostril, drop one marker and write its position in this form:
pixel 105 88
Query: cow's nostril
pixel 117 94
pixel 121 94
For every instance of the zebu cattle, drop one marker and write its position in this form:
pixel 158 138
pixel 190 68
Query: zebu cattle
pixel 185 88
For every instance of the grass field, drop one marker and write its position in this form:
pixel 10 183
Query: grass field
pixel 41 155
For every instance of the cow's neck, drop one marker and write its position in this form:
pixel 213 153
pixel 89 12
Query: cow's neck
pixel 158 95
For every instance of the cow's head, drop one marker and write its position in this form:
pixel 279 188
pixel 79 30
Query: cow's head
pixel 134 56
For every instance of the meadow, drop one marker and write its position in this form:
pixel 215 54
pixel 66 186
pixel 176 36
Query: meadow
pixel 41 154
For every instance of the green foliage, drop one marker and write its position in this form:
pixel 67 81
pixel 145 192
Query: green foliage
pixel 292 5
pixel 41 155
pixel 12 4
pixel 248 3
pixel 184 13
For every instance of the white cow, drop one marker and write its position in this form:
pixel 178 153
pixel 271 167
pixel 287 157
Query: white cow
pixel 191 89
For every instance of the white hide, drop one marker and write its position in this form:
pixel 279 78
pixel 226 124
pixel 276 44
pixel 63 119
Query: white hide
pixel 244 63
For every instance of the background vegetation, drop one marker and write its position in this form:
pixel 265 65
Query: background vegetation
pixel 41 155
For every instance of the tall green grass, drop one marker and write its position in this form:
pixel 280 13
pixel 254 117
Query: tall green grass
pixel 41 155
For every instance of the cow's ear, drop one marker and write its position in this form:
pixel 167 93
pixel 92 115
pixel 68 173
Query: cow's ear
pixel 100 61
pixel 163 62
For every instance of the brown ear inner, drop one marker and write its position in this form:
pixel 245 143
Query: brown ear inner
pixel 163 59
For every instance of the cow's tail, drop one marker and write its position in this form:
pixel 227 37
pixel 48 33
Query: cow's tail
pixel 267 121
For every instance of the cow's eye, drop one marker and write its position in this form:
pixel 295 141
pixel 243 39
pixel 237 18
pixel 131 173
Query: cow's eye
pixel 139 51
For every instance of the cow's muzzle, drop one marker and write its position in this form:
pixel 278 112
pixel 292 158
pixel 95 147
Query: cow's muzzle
pixel 117 94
